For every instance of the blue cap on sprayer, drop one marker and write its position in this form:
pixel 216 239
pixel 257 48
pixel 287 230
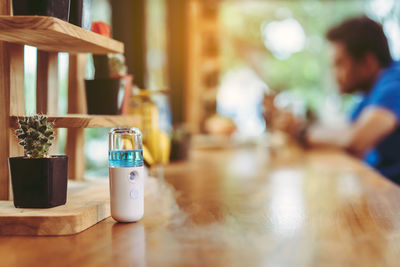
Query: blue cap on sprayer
pixel 125 162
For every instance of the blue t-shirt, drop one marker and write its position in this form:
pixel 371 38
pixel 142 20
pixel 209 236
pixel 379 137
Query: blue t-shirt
pixel 385 156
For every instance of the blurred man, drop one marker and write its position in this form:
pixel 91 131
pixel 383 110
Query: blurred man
pixel 362 64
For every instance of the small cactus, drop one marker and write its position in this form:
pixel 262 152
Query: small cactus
pixel 116 65
pixel 35 134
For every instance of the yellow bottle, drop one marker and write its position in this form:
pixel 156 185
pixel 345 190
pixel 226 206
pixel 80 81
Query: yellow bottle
pixel 156 142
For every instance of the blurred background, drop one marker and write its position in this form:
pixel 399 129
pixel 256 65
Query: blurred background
pixel 217 59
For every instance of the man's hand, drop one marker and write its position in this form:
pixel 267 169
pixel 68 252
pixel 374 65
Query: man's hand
pixel 373 124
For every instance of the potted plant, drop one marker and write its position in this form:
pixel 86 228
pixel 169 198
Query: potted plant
pixel 109 91
pixel 53 8
pixel 180 143
pixel 38 180
pixel 80 13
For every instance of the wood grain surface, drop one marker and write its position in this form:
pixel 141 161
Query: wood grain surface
pixel 247 206
pixel 52 34
pixel 88 121
pixel 87 204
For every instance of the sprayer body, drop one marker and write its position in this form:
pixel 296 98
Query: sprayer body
pixel 126 189
pixel 126 174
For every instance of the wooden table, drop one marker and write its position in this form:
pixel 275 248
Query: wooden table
pixel 246 206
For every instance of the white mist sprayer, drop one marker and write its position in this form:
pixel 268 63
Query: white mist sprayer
pixel 125 161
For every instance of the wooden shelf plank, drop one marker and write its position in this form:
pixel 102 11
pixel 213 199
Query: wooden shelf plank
pixel 87 204
pixel 88 121
pixel 52 34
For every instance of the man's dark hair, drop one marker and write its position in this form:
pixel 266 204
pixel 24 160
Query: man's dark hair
pixel 362 35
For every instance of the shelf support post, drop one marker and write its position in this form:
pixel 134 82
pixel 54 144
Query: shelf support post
pixel 47 87
pixel 76 104
pixel 12 102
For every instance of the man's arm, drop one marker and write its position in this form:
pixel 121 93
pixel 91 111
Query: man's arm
pixel 373 124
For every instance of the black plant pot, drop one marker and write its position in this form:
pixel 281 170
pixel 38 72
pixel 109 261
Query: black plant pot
pixel 39 183
pixel 179 150
pixel 80 13
pixel 180 143
pixel 104 96
pixel 101 67
pixel 53 8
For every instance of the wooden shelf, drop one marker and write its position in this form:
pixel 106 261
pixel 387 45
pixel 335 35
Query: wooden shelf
pixel 88 121
pixel 87 204
pixel 52 34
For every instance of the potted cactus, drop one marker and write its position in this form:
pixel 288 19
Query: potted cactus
pixel 38 180
pixel 110 94
pixel 53 8
pixel 80 13
pixel 109 91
